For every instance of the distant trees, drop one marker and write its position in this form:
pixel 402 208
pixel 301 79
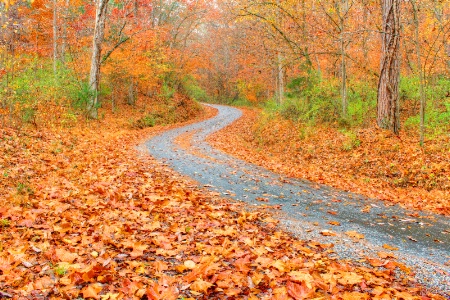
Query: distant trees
pixel 336 43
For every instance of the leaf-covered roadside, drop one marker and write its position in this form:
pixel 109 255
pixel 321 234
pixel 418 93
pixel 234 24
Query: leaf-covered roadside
pixel 87 216
pixel 372 162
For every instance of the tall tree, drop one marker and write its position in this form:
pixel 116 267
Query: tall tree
pixel 94 76
pixel 55 36
pixel 416 9
pixel 388 107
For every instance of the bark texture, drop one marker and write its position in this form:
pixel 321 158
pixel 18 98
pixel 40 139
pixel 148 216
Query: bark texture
pixel 94 76
pixel 388 109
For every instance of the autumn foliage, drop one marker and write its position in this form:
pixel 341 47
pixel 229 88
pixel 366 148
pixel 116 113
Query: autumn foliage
pixel 85 213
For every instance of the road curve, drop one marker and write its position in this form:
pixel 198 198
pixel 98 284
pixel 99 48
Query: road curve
pixel 307 209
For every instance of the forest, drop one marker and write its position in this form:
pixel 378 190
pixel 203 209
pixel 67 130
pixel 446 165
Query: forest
pixel 349 94
pixel 316 62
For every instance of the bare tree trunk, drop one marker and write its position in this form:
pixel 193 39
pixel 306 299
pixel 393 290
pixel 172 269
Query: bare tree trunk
pixel 365 35
pixel 64 32
pixel 343 80
pixel 342 10
pixel 280 67
pixel 94 76
pixel 420 71
pixel 280 78
pixel 55 36
pixel 388 108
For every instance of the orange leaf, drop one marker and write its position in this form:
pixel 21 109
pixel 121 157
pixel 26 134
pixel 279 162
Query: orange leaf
pixel 298 291
pixel 91 291
pixel 138 249
pixel 386 246
pixel 355 234
pixel 200 286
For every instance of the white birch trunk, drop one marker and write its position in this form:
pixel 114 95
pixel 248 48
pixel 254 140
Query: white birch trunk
pixel 94 76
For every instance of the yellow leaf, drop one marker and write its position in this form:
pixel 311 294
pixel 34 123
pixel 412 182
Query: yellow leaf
pixel 279 265
pixel 299 276
pixel 386 246
pixel 200 286
pixel 189 264
pixel 355 234
pixel 110 296
pixel 350 278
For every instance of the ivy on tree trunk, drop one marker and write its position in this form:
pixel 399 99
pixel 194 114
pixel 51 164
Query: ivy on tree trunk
pixel 388 108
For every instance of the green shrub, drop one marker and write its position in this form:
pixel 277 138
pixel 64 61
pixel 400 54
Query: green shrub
pixel 146 121
pixel 191 89
pixel 362 102
pixel 243 102
pixel 37 84
pixel 80 97
pixel 409 88
pixel 310 99
pixel 28 115
pixel 351 141
pixel 166 92
pixel 437 111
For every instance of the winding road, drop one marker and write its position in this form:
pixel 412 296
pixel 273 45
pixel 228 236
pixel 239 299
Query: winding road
pixel 308 210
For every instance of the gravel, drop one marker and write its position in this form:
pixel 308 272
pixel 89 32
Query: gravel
pixel 306 209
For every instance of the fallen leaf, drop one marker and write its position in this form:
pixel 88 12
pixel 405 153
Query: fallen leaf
pixel 350 278
pixel 386 246
pixel 189 264
pixel 138 249
pixel 302 277
pixel 298 291
pixel 91 291
pixel 335 223
pixel 327 232
pixel 200 286
pixel 355 234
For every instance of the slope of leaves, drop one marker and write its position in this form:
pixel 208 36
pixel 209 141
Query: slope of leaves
pixel 370 161
pixel 84 217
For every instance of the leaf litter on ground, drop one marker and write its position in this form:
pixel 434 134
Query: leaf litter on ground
pixel 371 162
pixel 85 214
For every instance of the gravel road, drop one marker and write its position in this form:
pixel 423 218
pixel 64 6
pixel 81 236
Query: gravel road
pixel 306 209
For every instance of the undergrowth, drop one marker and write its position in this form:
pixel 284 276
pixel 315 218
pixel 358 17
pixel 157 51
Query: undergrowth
pixel 311 100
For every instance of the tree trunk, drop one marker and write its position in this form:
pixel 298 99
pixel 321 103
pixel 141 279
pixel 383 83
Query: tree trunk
pixel 420 71
pixel 280 79
pixel 94 76
pixel 343 10
pixel 64 32
pixel 55 37
pixel 439 15
pixel 280 75
pixel 388 108
pixel 365 37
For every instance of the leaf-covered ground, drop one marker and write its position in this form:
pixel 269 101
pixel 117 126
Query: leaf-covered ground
pixel 84 214
pixel 370 162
